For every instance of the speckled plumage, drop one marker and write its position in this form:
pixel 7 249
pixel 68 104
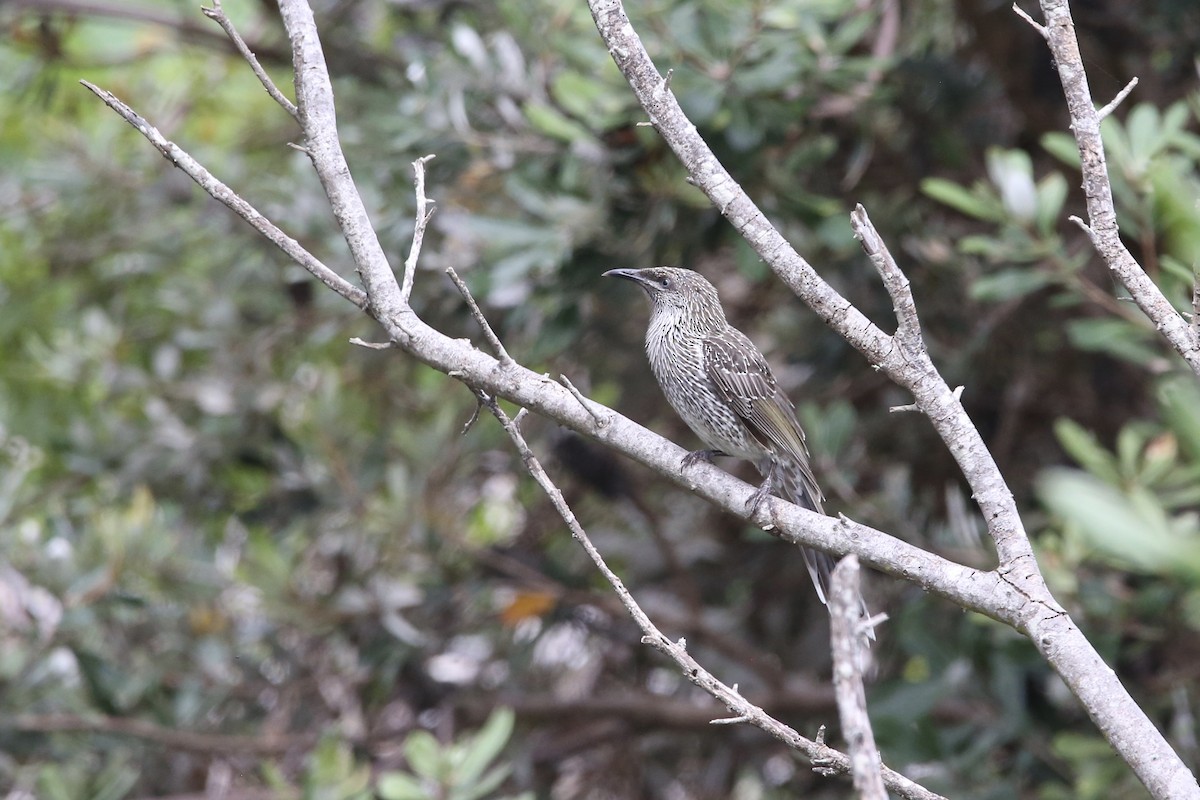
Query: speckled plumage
pixel 721 385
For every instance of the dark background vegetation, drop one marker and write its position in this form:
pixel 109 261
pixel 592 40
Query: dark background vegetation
pixel 237 552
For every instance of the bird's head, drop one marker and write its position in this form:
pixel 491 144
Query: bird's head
pixel 675 290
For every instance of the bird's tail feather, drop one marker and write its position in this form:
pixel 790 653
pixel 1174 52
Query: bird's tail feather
pixel 794 484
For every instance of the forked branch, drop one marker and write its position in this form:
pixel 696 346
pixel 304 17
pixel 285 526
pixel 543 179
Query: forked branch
pixel 1101 227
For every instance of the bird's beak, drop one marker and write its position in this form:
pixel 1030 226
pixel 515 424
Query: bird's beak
pixel 628 274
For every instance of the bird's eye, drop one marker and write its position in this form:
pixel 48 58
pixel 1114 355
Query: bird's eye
pixel 665 283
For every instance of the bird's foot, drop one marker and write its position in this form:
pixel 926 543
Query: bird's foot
pixel 759 497
pixel 696 456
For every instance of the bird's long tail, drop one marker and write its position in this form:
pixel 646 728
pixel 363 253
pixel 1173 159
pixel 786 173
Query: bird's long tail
pixel 793 483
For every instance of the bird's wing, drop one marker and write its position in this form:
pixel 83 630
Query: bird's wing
pixel 743 377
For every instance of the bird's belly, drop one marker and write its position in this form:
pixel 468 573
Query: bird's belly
pixel 698 403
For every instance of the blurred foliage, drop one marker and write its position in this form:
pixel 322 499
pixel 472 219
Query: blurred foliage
pixel 218 519
pixel 460 771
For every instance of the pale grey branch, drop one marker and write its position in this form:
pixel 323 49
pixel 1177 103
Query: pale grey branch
pixel 1037 26
pixel 1059 33
pixel 597 411
pixel 419 225
pixel 479 318
pixel 218 15
pixel 894 280
pixel 318 120
pixel 848 641
pixel 209 183
pixel 1116 101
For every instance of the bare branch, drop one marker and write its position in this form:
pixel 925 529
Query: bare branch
pixel 1116 101
pixel 729 720
pixel 318 119
pixel 1059 33
pixel 849 654
pixel 209 183
pixel 743 710
pixel 218 15
pixel 422 221
pixel 1196 303
pixel 488 333
pixel 595 409
pixel 958 390
pixel 1037 26
pixel 908 325
pixel 371 345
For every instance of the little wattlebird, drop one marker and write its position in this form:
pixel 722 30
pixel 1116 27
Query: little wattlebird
pixel 721 385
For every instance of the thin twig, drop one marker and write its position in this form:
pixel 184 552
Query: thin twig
pixel 372 345
pixel 1196 303
pixel 488 333
pixel 209 183
pixel 1116 101
pixel 318 119
pixel 588 406
pixel 1037 26
pixel 422 221
pixel 470 423
pixel 218 15
pixel 894 280
pixel 957 394
pixel 849 654
pixel 739 707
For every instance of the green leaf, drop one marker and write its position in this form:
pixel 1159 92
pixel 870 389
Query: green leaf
pixel 1009 283
pixel 331 761
pixel 1144 131
pixel 52 784
pixel 485 745
pixel 485 786
pixel 1063 147
pixel 1011 172
pixel 1113 336
pixel 400 786
pixel 961 199
pixel 586 97
pixel 1135 534
pixel 1160 459
pixel 1129 449
pixel 1177 269
pixel 1051 194
pixel 990 247
pixel 549 121
pixel 115 781
pixel 424 755
pixel 1179 399
pixel 1173 121
pixel 1082 446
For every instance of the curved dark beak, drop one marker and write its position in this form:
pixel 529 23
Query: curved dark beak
pixel 627 274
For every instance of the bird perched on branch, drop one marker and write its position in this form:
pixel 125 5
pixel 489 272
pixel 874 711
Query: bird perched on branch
pixel 721 385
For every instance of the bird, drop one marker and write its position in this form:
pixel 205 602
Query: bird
pixel 721 385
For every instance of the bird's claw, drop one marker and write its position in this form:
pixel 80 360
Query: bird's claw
pixel 757 499
pixel 696 456
pixel 760 496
